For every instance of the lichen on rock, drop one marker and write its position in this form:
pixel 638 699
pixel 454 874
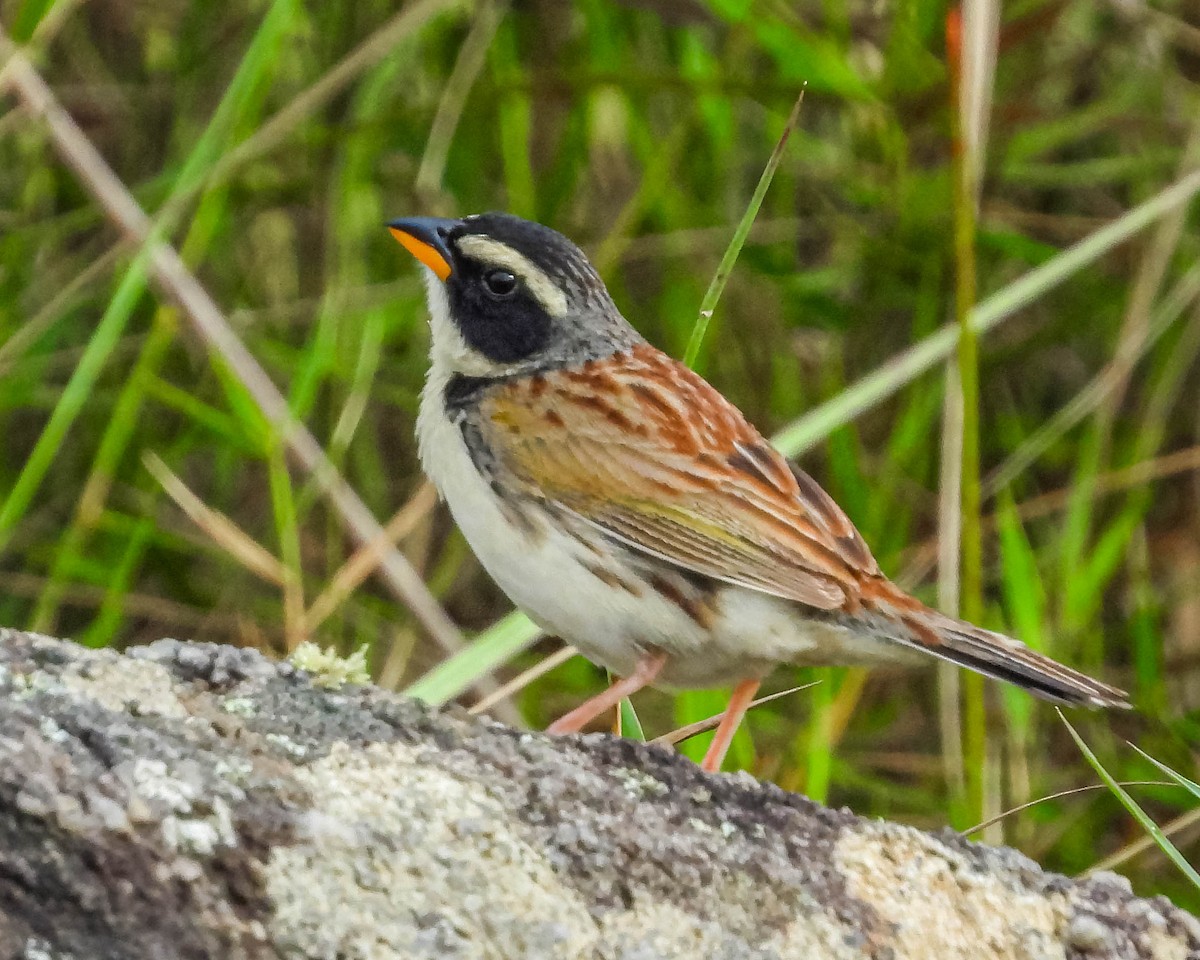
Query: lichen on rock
pixel 198 801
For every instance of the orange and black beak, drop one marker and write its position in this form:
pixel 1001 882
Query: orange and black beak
pixel 425 239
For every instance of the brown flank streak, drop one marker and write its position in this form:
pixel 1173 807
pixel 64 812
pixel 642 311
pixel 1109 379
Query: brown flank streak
pixel 697 610
pixel 606 576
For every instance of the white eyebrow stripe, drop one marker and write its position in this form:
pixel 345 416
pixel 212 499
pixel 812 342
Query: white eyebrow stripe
pixel 494 253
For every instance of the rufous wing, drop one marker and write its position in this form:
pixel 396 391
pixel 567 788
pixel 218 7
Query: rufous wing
pixel 648 452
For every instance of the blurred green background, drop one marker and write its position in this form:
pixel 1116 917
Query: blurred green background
pixel 272 140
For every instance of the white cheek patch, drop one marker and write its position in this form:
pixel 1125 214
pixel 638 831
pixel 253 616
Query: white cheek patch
pixel 496 254
pixel 448 348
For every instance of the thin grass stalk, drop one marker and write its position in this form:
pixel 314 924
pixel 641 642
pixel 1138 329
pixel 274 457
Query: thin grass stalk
pixel 717 285
pixel 102 630
pixel 950 718
pixel 1118 858
pixel 1060 795
pixel 524 679
pixel 680 734
pixel 13 349
pixel 226 534
pixel 1152 271
pixel 287 533
pixel 167 613
pixel 975 741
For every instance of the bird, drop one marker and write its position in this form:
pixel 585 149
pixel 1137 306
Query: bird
pixel 629 508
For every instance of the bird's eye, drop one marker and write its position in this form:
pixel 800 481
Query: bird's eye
pixel 500 284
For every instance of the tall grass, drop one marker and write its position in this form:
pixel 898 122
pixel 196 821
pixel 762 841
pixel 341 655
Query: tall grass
pixel 270 141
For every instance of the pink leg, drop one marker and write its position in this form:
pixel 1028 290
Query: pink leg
pixel 648 667
pixel 739 703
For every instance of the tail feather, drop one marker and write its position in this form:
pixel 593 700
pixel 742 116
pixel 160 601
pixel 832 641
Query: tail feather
pixel 1003 658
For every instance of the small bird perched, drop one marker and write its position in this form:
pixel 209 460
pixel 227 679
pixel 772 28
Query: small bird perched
pixel 629 508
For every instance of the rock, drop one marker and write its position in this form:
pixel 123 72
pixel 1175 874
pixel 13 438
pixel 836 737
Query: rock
pixel 195 801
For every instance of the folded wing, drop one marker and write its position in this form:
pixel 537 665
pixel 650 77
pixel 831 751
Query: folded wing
pixel 648 452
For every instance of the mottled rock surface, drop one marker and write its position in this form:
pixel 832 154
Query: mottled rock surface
pixel 195 801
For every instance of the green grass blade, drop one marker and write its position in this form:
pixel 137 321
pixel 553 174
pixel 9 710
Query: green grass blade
pixel 29 15
pixel 631 726
pixel 101 630
pixel 491 649
pixel 725 267
pixel 818 753
pixel 287 534
pixel 1140 815
pixel 1191 786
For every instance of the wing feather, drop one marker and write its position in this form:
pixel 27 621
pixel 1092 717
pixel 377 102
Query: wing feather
pixel 648 452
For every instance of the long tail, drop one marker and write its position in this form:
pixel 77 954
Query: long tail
pixel 992 654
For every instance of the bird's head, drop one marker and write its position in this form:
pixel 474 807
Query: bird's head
pixel 507 295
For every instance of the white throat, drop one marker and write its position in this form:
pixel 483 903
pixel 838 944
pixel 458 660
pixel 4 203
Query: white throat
pixel 439 442
pixel 448 351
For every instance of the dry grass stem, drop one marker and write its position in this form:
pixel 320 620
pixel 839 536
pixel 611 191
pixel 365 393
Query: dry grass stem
pixel 524 679
pixel 226 534
pixel 1136 329
pixel 710 723
pixel 41 322
pixel 350 575
pixel 1145 842
pixel 1075 791
pixel 163 612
